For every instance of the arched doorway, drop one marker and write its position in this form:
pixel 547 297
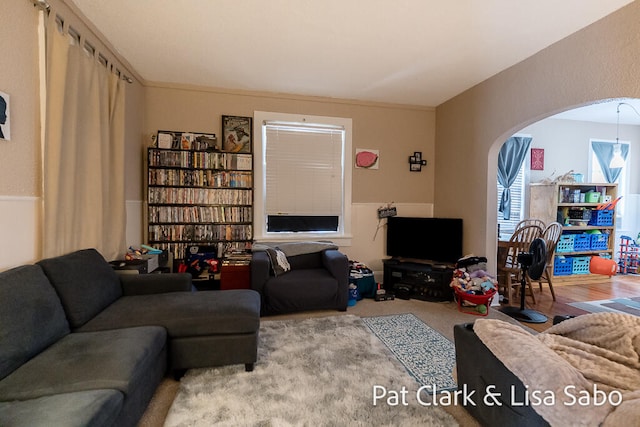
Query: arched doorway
pixel 566 141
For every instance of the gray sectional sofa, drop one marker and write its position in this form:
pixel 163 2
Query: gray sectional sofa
pixel 81 345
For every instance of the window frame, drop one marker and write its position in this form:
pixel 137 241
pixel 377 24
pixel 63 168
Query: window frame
pixel 343 236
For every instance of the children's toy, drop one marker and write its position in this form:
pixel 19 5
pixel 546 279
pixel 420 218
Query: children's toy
pixel 473 287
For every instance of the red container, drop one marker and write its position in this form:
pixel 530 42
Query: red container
pixel 485 299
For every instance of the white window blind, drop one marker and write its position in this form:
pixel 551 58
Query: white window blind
pixel 304 167
pixel 517 203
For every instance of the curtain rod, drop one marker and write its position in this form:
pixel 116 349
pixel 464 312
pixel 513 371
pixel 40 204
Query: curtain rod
pixel 46 7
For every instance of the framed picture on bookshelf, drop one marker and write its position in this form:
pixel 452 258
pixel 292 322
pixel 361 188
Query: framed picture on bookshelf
pixel 237 134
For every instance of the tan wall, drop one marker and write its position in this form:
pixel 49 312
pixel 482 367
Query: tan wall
pixel 396 131
pixel 19 78
pixel 20 157
pixel 598 62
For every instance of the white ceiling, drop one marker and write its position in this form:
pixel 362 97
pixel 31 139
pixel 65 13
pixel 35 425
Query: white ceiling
pixel 606 112
pixel 418 52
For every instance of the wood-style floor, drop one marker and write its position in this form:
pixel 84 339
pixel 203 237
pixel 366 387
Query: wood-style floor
pixel 619 286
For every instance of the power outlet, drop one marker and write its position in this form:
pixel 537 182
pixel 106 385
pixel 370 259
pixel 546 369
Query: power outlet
pixel 387 212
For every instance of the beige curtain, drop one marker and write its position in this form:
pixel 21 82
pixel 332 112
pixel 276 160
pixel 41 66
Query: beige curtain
pixel 83 151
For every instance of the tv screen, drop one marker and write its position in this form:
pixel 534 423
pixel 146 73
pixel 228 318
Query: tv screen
pixel 432 239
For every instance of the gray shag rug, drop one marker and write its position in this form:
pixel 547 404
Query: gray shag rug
pixel 312 372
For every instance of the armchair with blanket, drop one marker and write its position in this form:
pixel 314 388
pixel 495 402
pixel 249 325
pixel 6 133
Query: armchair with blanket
pixel 584 371
pixel 297 276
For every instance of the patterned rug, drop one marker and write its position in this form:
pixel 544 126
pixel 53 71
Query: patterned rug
pixel 616 305
pixel 426 354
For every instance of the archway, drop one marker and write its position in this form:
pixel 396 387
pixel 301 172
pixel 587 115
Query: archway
pixel 566 136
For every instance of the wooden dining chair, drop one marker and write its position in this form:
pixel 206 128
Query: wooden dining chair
pixel 531 221
pixel 509 270
pixel 551 235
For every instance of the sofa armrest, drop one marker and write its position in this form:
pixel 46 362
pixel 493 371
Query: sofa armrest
pixel 337 264
pixel 142 284
pixel 478 368
pixel 260 270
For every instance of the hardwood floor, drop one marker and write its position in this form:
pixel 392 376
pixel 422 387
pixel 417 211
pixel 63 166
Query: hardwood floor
pixel 619 286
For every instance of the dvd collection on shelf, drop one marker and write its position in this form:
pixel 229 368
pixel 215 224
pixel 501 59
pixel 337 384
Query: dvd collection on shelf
pixel 199 194
pixel 237 258
pixel 199 159
pixel 173 214
pixel 178 250
pixel 199 232
pixel 200 178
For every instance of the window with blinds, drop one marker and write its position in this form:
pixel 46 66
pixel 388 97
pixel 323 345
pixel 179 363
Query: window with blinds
pixel 303 176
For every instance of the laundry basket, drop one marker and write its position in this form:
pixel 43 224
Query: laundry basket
pixel 461 296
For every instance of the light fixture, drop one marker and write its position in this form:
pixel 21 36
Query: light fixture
pixel 617 161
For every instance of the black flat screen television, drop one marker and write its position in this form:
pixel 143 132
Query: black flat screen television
pixel 430 239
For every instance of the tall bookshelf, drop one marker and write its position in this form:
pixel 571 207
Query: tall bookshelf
pixel 569 204
pixel 198 196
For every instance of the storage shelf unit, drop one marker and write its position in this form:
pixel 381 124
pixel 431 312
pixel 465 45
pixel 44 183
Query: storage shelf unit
pixel 561 202
pixel 199 197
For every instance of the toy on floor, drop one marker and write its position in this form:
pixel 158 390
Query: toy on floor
pixel 472 285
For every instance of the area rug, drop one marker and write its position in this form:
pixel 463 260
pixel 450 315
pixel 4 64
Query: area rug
pixel 617 305
pixel 313 372
pixel 425 353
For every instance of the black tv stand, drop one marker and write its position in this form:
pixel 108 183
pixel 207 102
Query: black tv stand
pixel 418 280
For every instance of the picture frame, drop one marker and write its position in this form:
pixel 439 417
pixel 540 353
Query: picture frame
pixel 537 159
pixel 5 116
pixel 237 134
pixel 177 140
pixel 366 158
pixel 416 162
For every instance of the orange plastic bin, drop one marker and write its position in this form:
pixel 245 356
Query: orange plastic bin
pixel 599 265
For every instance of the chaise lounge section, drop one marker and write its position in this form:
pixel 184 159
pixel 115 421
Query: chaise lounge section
pixel 80 345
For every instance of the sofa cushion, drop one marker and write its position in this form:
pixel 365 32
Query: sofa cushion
pixel 185 314
pixel 85 282
pixel 94 408
pixel 301 290
pixel 115 359
pixel 31 318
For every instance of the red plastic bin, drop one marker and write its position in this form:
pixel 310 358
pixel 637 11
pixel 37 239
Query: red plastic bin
pixel 485 299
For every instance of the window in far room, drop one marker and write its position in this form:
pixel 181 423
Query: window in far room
pixel 513 167
pixel 614 175
pixel 303 177
pixel 507 226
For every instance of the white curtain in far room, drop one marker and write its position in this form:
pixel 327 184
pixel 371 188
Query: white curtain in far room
pixel 83 153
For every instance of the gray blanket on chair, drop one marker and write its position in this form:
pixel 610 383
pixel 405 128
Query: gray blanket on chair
pixel 295 248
